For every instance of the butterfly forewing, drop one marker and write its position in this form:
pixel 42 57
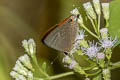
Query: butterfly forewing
pixel 62 37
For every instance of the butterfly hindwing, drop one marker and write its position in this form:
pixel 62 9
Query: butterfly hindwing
pixel 62 36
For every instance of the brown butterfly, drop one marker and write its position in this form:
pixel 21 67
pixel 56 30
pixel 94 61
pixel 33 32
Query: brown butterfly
pixel 62 36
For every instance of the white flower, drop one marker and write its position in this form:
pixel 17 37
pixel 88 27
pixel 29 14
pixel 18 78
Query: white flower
pixel 75 12
pixel 30 75
pixel 104 30
pixel 105 71
pixel 17 76
pixel 26 61
pixel 32 46
pixel 25 45
pixel 104 33
pixel 21 77
pixel 14 74
pixel 80 35
pixel 92 50
pixel 29 46
pixel 80 20
pixel 108 42
pixel 69 62
pixel 20 68
pixel 100 55
pixel 89 10
pixel 105 8
pixel 66 59
pixel 72 64
pixel 97 6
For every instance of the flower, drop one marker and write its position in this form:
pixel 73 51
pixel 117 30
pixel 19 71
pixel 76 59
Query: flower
pixel 92 50
pixel 105 9
pixel 26 61
pixel 108 42
pixel 17 76
pixel 75 12
pixel 29 46
pixel 20 68
pixel 30 75
pixel 66 59
pixel 72 64
pixel 100 55
pixel 78 15
pixel 97 6
pixel 104 30
pixel 69 62
pixel 106 73
pixel 89 10
pixel 104 33
pixel 80 35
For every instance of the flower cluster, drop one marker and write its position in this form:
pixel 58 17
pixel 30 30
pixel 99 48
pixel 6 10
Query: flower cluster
pixel 97 52
pixel 23 69
pixel 29 46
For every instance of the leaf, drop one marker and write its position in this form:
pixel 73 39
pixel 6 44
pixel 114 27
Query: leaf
pixel 114 28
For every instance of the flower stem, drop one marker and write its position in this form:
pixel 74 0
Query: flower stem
pixel 99 16
pixel 115 65
pixel 37 65
pixel 57 76
pixel 89 31
pixel 95 73
pixel 93 24
pixel 107 23
pixel 62 75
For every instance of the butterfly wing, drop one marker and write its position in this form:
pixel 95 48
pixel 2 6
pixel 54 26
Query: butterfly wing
pixel 62 36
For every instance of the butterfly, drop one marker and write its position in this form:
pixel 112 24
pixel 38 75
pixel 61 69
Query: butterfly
pixel 62 36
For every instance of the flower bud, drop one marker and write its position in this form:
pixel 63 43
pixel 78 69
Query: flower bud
pixel 17 76
pixel 30 75
pixel 29 46
pixel 97 6
pixel 105 9
pixel 104 33
pixel 26 61
pixel 89 10
pixel 20 68
pixel 76 13
pixel 100 55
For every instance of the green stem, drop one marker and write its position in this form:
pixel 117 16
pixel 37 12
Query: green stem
pixel 96 73
pixel 115 65
pixel 62 75
pixel 89 31
pixel 107 23
pixel 99 16
pixel 90 67
pixel 37 65
pixel 93 24
pixel 58 76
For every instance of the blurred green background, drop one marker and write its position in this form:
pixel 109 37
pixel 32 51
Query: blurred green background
pixel 24 19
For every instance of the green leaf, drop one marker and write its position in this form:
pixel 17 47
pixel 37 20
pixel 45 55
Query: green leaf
pixel 114 28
